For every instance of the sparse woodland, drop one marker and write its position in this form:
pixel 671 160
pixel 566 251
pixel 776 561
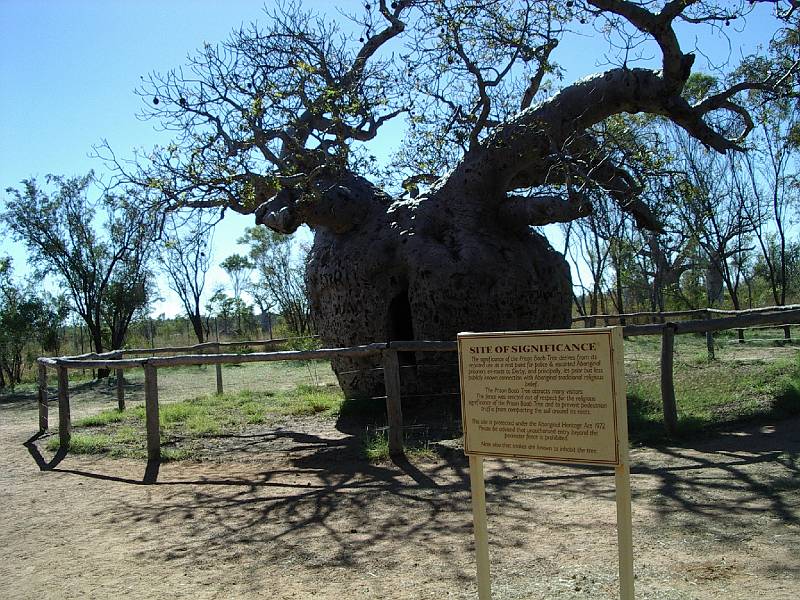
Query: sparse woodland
pixel 675 183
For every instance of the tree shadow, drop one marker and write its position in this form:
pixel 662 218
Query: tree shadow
pixel 320 486
pixel 323 491
pixel 714 478
pixel 316 500
pixel 15 398
pixel 104 390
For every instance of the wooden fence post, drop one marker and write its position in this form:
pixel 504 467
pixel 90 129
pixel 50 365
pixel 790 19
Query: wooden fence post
pixel 394 412
pixel 44 423
pixel 219 373
pixel 121 389
pixel 151 412
pixel 64 420
pixel 710 344
pixel 667 382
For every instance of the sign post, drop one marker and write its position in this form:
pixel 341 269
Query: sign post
pixel 478 489
pixel 555 395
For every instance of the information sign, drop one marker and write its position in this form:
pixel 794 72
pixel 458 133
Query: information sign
pixel 556 395
pixel 550 395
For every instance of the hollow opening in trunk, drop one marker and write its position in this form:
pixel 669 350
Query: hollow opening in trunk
pixel 401 326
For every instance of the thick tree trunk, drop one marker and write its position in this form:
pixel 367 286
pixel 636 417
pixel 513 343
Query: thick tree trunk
pixel 426 269
pixel 463 257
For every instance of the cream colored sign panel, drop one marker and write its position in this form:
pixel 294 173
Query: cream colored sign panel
pixel 548 395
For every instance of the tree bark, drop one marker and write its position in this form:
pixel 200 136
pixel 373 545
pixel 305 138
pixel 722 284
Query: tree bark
pixel 463 256
pixel 425 269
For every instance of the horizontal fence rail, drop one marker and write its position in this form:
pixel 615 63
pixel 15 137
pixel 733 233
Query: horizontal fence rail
pixel 695 312
pixel 388 353
pixel 701 314
pixel 740 321
pixel 208 346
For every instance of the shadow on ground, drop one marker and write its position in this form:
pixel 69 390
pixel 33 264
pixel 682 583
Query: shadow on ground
pixel 296 496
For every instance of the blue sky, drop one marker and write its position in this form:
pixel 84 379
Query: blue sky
pixel 68 69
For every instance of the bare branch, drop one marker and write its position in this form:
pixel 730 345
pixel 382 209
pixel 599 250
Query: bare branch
pixel 676 65
pixel 536 81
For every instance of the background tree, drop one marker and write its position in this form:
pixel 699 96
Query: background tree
pixel 279 276
pixel 766 180
pixel 232 316
pixel 239 269
pixel 185 256
pixel 218 307
pixel 271 122
pixel 104 275
pixel 131 287
pixel 714 215
pixel 589 243
pixel 25 318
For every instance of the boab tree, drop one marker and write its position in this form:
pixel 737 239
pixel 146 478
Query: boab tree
pixel 274 122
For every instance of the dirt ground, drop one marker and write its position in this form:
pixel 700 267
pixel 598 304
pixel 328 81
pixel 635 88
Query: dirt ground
pixel 294 512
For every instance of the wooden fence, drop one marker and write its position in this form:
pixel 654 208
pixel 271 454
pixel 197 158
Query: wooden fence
pixel 699 313
pixel 116 361
pixel 613 319
pixel 388 352
pixel 772 316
